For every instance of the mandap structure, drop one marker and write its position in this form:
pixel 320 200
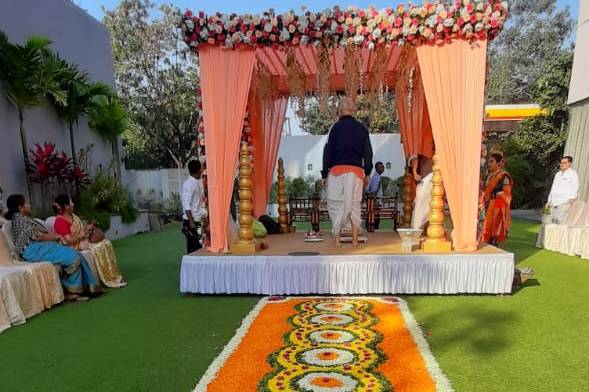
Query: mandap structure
pixel 433 56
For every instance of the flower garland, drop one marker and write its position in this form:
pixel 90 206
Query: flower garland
pixel 434 22
pixel 331 347
pixel 311 356
pixel 410 90
pixel 200 142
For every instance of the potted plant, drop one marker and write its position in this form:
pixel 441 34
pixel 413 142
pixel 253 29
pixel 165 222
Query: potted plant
pixel 546 215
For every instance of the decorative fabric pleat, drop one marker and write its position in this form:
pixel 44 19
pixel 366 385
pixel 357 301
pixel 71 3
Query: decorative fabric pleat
pixel 225 76
pixel 416 131
pixel 454 81
pixel 354 274
pixel 266 120
pixel 577 145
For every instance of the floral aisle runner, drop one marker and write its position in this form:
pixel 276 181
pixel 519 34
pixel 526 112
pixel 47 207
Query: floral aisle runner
pixel 323 344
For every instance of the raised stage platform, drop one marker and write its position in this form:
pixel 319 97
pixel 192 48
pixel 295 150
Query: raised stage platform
pixel 377 267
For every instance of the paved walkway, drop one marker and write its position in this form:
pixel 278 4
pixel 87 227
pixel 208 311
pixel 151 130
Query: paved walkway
pixel 532 215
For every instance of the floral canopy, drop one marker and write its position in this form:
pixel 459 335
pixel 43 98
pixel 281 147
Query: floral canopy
pixel 432 22
pixel 433 56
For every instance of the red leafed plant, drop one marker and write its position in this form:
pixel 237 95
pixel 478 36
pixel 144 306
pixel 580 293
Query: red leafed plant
pixel 49 165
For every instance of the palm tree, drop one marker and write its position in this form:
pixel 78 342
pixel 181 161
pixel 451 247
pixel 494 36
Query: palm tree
pixel 28 73
pixel 80 94
pixel 108 118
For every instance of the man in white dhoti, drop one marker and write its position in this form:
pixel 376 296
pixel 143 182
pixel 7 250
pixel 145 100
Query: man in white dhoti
pixel 564 191
pixel 347 163
pixel 421 168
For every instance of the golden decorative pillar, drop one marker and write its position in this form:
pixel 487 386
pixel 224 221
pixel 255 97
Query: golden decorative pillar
pixel 408 197
pixel 282 198
pixel 245 242
pixel 436 241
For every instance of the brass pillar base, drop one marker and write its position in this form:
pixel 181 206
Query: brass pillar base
pixel 442 246
pixel 242 248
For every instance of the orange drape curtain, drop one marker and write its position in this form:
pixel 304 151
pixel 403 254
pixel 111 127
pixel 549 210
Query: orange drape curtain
pixel 416 132
pixel 454 80
pixel 225 77
pixel 267 117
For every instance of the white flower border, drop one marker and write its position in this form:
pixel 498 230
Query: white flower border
pixel 440 379
pixel 230 348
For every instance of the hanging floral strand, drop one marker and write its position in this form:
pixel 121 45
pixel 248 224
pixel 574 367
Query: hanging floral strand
pixel 296 81
pixel 352 72
pixel 410 81
pixel 376 78
pixel 201 155
pixel 323 73
pixel 263 86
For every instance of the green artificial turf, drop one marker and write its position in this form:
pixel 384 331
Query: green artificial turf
pixel 148 337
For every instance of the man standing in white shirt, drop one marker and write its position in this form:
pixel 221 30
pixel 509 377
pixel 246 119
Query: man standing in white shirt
pixel 193 213
pixel 375 189
pixel 564 191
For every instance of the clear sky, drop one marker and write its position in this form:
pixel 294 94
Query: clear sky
pixel 257 6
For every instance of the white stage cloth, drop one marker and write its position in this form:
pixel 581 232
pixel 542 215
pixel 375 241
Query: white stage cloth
pixel 348 274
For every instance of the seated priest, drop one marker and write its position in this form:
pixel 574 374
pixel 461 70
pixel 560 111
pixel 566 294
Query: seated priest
pixel 347 164
pixel 421 168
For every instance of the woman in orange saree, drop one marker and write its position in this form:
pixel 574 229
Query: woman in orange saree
pixel 496 201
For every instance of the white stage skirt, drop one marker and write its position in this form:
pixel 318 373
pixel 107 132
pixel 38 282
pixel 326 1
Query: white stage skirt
pixel 348 274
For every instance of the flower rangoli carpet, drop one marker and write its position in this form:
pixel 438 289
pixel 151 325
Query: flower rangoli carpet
pixel 326 344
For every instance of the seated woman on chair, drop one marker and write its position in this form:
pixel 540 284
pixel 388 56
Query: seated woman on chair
pixel 70 227
pixel 34 243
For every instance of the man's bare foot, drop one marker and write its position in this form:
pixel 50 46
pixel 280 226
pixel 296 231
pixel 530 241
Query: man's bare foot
pixel 336 241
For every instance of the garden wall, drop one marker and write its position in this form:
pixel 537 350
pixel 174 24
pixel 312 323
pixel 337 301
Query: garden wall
pixel 78 38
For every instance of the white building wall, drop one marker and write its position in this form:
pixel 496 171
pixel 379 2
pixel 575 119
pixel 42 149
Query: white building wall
pixel 298 152
pixel 579 86
pixel 77 38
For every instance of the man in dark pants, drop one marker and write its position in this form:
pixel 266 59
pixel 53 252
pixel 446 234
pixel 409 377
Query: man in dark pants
pixel 193 213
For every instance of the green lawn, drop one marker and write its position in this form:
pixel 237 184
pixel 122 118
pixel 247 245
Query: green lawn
pixel 147 337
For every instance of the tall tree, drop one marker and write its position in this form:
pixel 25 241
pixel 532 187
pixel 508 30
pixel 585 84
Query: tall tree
pixel 157 79
pixel 379 117
pixel 536 31
pixel 541 139
pixel 108 118
pixel 28 73
pixel 80 94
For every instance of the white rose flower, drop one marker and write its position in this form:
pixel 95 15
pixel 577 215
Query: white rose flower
pixel 334 26
pixel 190 25
pixel 448 22
pixel 284 35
